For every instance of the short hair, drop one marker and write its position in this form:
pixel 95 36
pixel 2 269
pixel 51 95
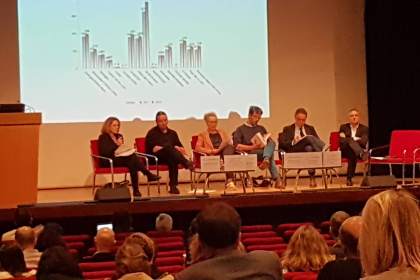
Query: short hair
pixel 105 239
pixel 307 250
pixel 130 258
pixel 219 225
pixel 145 242
pixel 25 236
pixel 160 113
pixel 50 236
pixel 254 109
pixel 12 260
pixel 107 123
pixel 390 232
pixel 57 260
pixel 301 111
pixel 208 115
pixel 353 109
pixel 336 220
pixel 349 237
pixel 163 223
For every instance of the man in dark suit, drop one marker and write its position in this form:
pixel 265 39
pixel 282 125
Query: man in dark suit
pixel 301 137
pixel 354 138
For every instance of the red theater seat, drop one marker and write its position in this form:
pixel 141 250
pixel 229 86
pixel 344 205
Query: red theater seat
pixel 259 234
pixel 270 247
pixel 173 253
pixel 300 275
pixel 172 269
pixel 98 274
pixel 290 226
pixel 156 234
pixel 169 261
pixel 170 246
pixel 262 241
pixel 159 240
pixel 96 266
pixel 255 228
pixel 77 238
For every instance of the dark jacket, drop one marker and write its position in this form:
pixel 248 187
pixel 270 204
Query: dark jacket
pixel 362 132
pixel 107 147
pixel 155 137
pixel 288 134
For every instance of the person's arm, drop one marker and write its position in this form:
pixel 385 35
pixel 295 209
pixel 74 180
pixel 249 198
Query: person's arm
pixel 314 132
pixel 151 142
pixel 238 140
pixel 364 137
pixel 285 143
pixel 177 144
pixel 106 145
pixel 199 146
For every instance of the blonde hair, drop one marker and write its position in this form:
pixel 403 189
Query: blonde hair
pixel 107 124
pixel 307 251
pixel 390 235
pixel 145 242
pixel 208 115
pixel 130 258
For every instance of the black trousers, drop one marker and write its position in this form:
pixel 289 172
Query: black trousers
pixel 134 165
pixel 172 158
pixel 351 150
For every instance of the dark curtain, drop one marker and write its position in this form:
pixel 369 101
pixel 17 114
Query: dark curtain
pixel 393 66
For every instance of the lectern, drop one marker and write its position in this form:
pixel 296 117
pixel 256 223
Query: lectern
pixel 19 141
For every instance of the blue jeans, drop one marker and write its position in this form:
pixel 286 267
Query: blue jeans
pixel 268 153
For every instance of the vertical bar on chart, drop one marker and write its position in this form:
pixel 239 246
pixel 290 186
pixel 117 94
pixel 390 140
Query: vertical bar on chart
pixel 139 43
pixel 161 59
pixel 85 50
pixel 146 34
pixel 198 52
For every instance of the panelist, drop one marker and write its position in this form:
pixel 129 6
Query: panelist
pixel 164 143
pixel 109 141
pixel 243 141
pixel 301 137
pixel 354 138
pixel 214 141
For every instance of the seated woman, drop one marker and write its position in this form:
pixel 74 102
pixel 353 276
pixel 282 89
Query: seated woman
pixel 306 251
pixel 214 141
pixel 389 242
pixel 109 141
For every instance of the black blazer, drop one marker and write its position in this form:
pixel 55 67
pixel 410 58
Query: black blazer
pixel 107 147
pixel 288 134
pixel 362 132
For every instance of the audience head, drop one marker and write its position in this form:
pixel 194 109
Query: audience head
pixel 57 261
pixel 300 117
pixel 122 221
pixel 162 120
pixel 336 220
pixel 254 115
pixel 111 125
pixel 163 223
pixel 105 240
pixel 306 251
pixel 50 236
pixel 130 258
pixel 12 260
pixel 145 242
pixel 23 217
pixel 349 235
pixel 390 232
pixel 354 116
pixel 218 226
pixel 25 237
pixel 211 120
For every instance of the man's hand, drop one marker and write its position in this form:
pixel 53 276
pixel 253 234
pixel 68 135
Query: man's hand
pixel 157 149
pixel 296 139
pixel 342 135
pixel 120 141
pixel 180 149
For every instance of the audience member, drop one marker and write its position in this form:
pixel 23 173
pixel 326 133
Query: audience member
pixel 22 217
pixel 57 264
pixel 122 221
pixel 163 223
pixel 306 251
pixel 350 267
pixel 218 232
pixel 336 220
pixel 13 263
pixel 105 246
pixel 25 239
pixel 390 239
pixel 50 236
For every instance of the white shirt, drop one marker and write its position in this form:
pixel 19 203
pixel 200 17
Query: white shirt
pixel 297 131
pixel 353 132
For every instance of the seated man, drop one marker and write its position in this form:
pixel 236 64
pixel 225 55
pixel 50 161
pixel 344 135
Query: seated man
pixel 354 137
pixel 164 143
pixel 163 223
pixel 243 142
pixel 214 141
pixel 104 243
pixel 26 239
pixel 301 137
pixel 350 267
pixel 218 232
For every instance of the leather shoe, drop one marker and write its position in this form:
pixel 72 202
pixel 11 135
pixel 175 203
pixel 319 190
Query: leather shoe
pixel 136 193
pixel 152 177
pixel 349 182
pixel 174 190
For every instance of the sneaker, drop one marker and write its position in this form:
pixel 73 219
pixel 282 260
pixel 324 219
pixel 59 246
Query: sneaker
pixel 231 186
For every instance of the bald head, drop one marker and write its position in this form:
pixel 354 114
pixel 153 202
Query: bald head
pixel 105 240
pixel 25 237
pixel 336 220
pixel 349 235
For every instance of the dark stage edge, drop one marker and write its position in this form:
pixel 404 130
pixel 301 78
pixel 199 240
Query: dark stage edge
pixel 91 209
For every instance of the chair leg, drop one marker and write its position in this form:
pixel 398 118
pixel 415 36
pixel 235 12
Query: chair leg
pixel 148 188
pixel 94 181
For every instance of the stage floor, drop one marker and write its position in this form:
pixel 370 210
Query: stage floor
pixel 216 190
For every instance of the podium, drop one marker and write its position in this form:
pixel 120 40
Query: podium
pixel 19 141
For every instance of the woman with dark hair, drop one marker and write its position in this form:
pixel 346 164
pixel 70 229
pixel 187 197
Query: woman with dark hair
pixel 50 236
pixel 109 141
pixel 57 264
pixel 13 263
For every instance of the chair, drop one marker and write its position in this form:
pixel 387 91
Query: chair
pixel 256 228
pixel 97 266
pixel 140 144
pixel 262 241
pixel 404 148
pixel 156 234
pixel 97 169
